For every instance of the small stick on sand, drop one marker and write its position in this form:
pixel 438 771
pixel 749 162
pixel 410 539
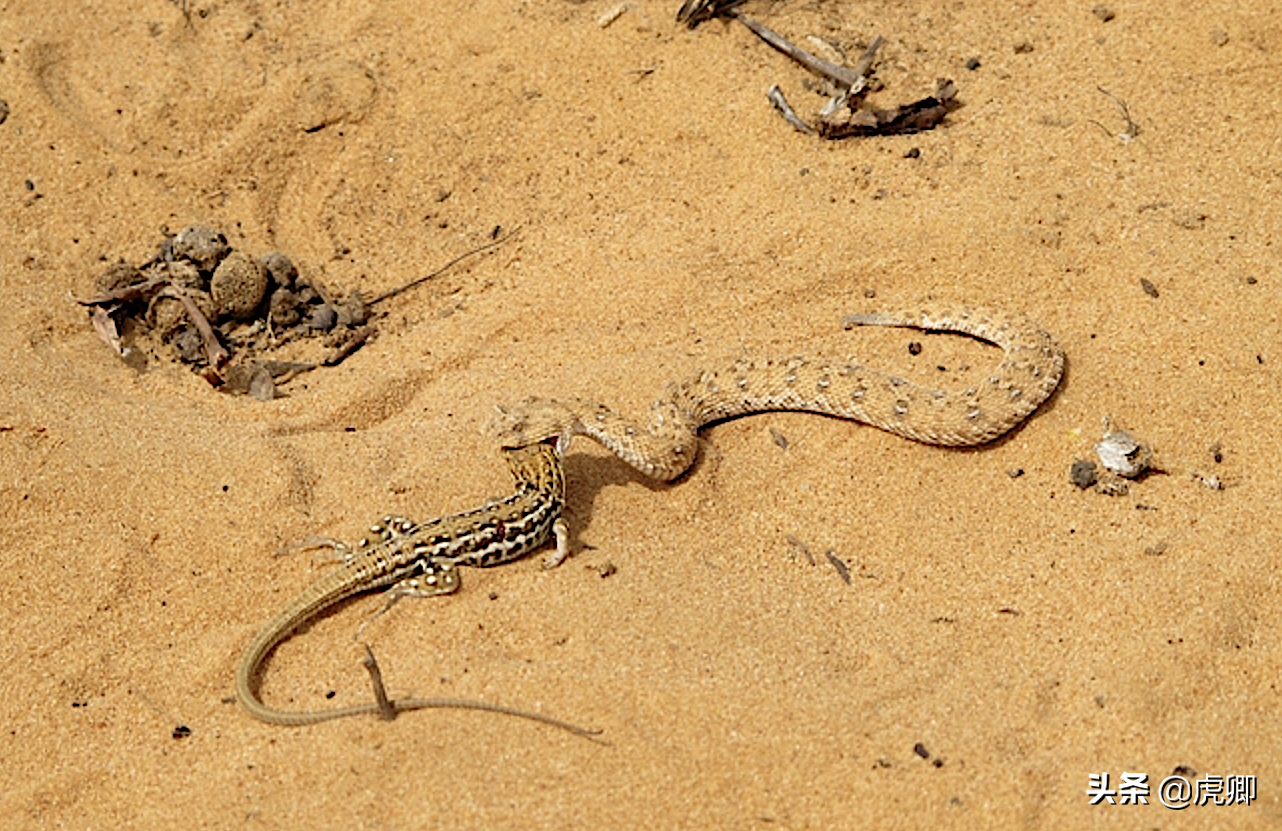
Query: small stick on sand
pixel 214 350
pixel 838 74
pixel 460 258
pixel 386 710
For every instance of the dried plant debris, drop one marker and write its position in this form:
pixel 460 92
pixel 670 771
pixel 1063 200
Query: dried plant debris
pixel 694 12
pixel 1132 129
pixel 845 114
pixel 797 546
pixel 223 312
pixel 779 102
pixel 243 322
pixel 839 565
pixel 909 118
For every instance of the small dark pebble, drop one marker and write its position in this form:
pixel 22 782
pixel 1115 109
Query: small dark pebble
pixel 1083 473
pixel 1185 771
pixel 606 570
pixel 914 348
pixel 284 308
pixel 973 63
pixel 1251 281
pixel 262 386
pixel 323 318
pixel 1149 288
pixel 1023 47
pixel 280 268
pixel 913 153
pixel 29 185
pixel 353 312
pixel 920 750
pixel 135 359
pixel 939 763
pixel 201 246
pixel 182 731
pixel 4 110
pixel 191 349
pixel 307 294
pixel 251 379
pixel 1104 13
pixel 1015 472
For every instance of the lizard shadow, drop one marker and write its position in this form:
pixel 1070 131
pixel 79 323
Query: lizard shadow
pixel 587 474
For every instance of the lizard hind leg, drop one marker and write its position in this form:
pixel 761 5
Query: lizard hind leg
pixel 386 530
pixel 438 577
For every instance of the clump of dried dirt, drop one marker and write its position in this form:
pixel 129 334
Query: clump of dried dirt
pixel 242 321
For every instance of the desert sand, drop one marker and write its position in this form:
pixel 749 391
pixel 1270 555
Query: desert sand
pixel 1001 637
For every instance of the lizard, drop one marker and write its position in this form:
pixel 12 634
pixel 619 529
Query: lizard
pixel 422 560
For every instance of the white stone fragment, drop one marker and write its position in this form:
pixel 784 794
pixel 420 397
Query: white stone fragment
pixel 1124 454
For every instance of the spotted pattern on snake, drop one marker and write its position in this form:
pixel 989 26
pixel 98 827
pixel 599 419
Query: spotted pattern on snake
pixel 665 448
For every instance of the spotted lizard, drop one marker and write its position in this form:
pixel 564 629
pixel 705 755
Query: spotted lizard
pixel 411 560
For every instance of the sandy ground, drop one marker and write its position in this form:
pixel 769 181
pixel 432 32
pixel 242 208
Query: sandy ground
pixel 1024 633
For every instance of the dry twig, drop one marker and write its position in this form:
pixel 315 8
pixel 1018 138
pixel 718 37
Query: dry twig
pixel 438 272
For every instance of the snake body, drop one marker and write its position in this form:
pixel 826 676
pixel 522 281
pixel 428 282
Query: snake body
pixel 666 447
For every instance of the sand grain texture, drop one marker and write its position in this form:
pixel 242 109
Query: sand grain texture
pixel 1025 633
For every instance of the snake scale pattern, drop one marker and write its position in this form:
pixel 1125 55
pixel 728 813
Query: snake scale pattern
pixel 666 447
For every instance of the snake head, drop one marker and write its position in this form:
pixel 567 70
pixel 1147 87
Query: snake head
pixel 532 421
